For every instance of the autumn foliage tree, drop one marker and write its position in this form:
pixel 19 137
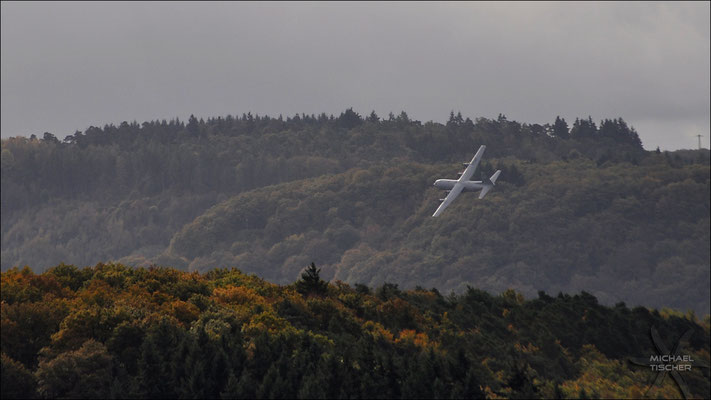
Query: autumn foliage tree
pixel 121 335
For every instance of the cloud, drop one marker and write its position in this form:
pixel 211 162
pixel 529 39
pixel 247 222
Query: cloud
pixel 66 66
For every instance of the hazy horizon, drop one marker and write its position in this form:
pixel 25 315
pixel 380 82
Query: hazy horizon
pixel 67 66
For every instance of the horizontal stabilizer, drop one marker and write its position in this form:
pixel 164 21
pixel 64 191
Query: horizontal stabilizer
pixel 484 191
pixel 495 176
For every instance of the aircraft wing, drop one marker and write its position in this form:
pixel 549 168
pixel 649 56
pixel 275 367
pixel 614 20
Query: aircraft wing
pixel 450 198
pixel 469 171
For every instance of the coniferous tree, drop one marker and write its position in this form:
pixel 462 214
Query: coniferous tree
pixel 231 390
pixel 193 126
pixel 560 128
pixel 373 117
pixel 583 128
pixel 311 282
pixel 349 119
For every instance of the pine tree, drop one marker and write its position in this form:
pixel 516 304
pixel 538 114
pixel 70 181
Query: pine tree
pixel 560 128
pixel 311 282
pixel 232 390
pixel 373 117
pixel 193 127
pixel 349 119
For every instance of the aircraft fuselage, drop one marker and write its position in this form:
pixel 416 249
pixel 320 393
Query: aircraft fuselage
pixel 448 184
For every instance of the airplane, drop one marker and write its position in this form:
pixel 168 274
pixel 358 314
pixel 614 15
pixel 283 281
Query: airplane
pixel 456 186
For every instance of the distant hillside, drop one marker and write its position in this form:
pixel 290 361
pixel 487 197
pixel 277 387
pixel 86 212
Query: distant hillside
pixel 624 233
pixel 577 208
pixel 117 332
pixel 229 155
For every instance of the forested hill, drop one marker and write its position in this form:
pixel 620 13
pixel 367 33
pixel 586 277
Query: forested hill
pixel 116 332
pixel 579 207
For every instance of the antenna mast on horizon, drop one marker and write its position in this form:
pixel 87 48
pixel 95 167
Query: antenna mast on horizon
pixel 699 136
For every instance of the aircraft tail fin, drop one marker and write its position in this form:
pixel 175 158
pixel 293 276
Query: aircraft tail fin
pixel 489 183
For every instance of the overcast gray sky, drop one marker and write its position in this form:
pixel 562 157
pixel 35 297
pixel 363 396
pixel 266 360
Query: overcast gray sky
pixel 67 66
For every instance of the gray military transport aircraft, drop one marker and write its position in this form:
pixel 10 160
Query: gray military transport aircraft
pixel 456 186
